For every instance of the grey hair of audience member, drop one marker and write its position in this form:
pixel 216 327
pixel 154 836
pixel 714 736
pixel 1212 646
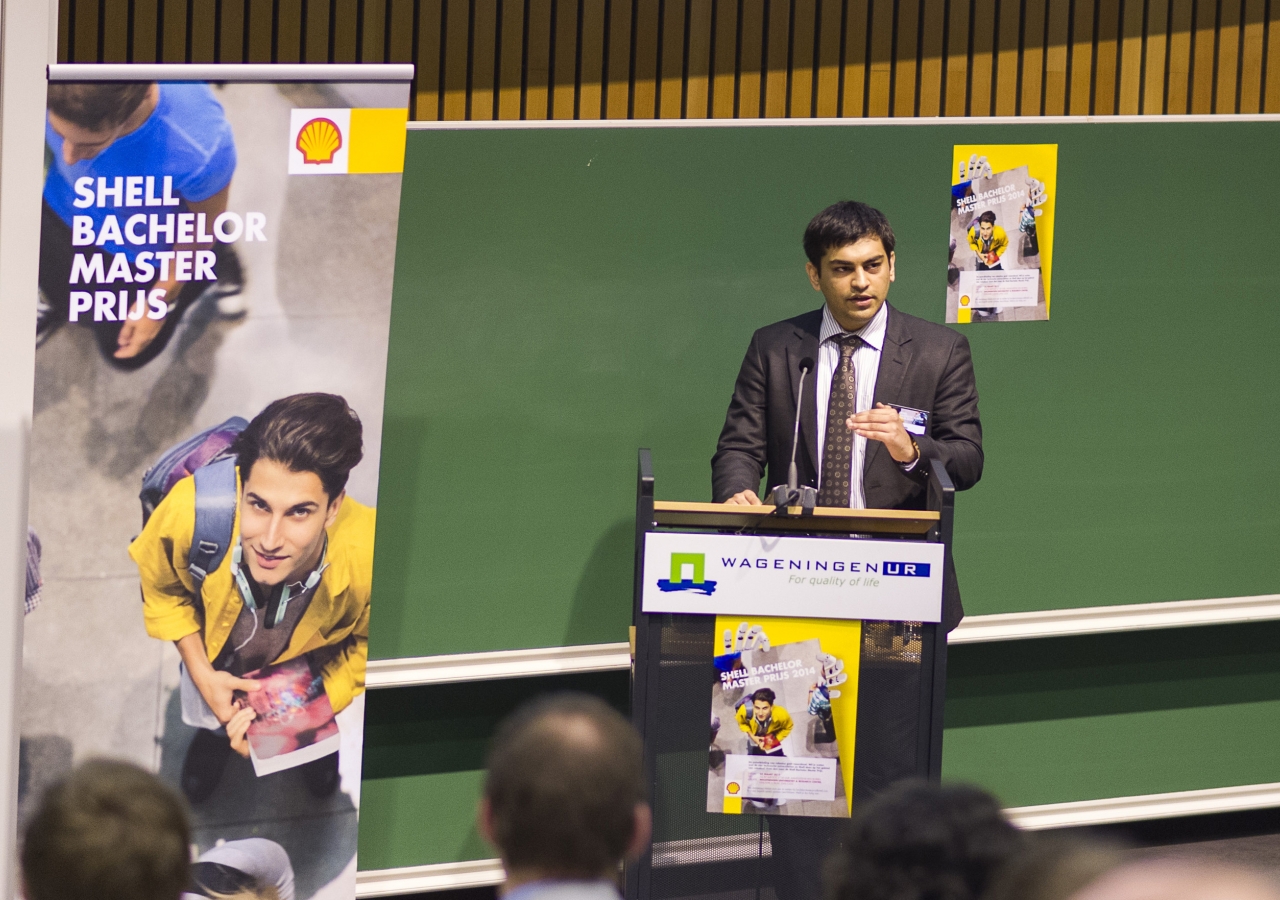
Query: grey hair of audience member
pixel 564 792
pixel 922 841
pixel 1054 868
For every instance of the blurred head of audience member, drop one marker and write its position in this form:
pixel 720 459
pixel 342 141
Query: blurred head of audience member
pixel 922 841
pixel 564 797
pixel 109 831
pixel 1054 868
pixel 1179 879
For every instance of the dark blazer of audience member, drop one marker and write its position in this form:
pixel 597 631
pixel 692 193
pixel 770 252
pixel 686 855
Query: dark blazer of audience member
pixel 564 799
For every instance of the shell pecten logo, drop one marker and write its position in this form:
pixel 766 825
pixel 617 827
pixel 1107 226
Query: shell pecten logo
pixel 319 140
pixel 732 787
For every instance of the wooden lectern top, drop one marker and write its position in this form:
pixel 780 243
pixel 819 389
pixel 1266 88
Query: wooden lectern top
pixel 834 520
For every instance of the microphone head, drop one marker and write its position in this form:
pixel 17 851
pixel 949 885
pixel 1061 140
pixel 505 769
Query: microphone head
pixel 806 364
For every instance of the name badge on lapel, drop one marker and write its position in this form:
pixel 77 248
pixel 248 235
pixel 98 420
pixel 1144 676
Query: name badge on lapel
pixel 916 421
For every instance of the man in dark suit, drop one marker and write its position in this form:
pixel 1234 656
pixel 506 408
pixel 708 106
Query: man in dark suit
pixel 868 359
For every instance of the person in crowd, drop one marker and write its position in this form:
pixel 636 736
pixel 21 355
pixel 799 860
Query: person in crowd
pixel 113 148
pixel 1180 879
pixel 297 581
pixel 247 869
pixel 923 841
pixel 563 799
pixel 1054 868
pixel 110 831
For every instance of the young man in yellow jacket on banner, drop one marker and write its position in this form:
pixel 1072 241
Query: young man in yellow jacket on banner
pixel 301 552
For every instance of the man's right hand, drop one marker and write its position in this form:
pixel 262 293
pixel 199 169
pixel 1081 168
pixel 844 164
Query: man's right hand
pixel 744 498
pixel 218 690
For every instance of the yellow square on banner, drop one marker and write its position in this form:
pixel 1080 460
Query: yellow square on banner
pixel 377 141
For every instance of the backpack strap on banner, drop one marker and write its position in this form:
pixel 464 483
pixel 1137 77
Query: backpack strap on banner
pixel 215 517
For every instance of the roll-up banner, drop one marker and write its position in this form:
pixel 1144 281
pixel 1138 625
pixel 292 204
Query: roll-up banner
pixel 216 256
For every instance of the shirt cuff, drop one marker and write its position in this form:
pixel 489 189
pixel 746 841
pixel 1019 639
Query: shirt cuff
pixel 907 467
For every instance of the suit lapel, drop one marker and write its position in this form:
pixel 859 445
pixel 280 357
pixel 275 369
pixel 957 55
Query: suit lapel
pixel 895 357
pixel 806 345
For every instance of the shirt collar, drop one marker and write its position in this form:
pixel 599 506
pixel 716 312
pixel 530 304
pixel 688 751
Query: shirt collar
pixel 872 333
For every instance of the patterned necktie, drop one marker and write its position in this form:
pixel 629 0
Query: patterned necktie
pixel 837 451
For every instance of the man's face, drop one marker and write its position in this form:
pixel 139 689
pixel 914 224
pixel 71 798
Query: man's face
pixel 79 142
pixel 283 515
pixel 855 281
pixel 985 229
pixel 762 710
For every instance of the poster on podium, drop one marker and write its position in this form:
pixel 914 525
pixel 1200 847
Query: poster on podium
pixel 217 247
pixel 783 716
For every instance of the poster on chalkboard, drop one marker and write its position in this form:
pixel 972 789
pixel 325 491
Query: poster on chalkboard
pixel 1000 256
pixel 216 260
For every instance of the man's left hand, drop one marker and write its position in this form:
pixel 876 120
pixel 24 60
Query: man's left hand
pixel 884 424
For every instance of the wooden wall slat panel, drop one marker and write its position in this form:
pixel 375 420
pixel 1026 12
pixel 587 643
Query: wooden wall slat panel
pixel 905 59
pixel 115 30
pixel 1079 88
pixel 1177 95
pixel 853 90
pixel 509 59
pixel 880 64
pixel 751 56
pixel 1055 58
pixel 827 64
pixel 803 33
pixel 1008 27
pixel 957 92
pixel 777 53
pixel 1228 56
pixel 644 91
pixel 671 75
pixel 427 95
pixel 724 83
pixel 1155 81
pixel 484 59
pixel 1031 103
pixel 591 88
pixel 564 90
pixel 457 36
pixel 1107 58
pixel 932 19
pixel 260 31
pixel 1130 86
pixel 1251 58
pixel 344 25
pixel 288 42
pixel 698 80
pixel 982 62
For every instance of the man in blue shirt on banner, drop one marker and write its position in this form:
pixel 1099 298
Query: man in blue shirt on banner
pixel 127 159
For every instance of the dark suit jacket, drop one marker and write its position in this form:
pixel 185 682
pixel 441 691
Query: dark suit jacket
pixel 922 365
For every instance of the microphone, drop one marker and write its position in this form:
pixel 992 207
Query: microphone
pixel 785 495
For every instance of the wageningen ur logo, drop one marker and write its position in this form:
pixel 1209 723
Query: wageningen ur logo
pixel 697 582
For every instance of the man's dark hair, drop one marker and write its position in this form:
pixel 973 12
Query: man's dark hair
pixel 110 831
pixel 844 223
pixel 565 774
pixel 988 216
pixel 316 433
pixel 97 105
pixel 764 694
pixel 921 841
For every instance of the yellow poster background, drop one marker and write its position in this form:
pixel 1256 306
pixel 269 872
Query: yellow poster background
pixel 842 638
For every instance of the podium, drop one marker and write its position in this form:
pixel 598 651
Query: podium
pixel 868 586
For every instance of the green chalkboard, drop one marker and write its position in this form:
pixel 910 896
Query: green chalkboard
pixel 565 296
